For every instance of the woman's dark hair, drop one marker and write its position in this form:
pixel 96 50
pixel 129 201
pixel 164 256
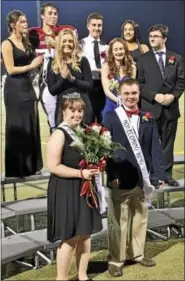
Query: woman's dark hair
pixel 137 35
pixel 12 18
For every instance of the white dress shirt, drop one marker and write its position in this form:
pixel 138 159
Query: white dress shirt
pixel 163 56
pixel 88 51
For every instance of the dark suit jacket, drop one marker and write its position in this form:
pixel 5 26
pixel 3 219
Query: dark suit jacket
pixel 124 165
pixel 152 82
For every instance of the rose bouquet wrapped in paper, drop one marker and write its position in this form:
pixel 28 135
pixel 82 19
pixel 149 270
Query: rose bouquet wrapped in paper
pixel 96 146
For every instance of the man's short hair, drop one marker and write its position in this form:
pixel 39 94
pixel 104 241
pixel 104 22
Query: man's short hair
pixel 94 16
pixel 46 5
pixel 129 82
pixel 160 27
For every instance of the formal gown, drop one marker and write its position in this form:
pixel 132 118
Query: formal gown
pixel 60 86
pixel 136 54
pixel 22 133
pixel 109 104
pixel 68 212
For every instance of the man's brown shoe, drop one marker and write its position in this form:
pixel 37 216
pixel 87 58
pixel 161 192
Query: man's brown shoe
pixel 147 262
pixel 115 271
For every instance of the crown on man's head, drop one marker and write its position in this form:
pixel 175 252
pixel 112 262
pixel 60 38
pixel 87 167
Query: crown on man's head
pixel 72 96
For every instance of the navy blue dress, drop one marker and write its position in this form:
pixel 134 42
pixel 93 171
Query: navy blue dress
pixel 109 104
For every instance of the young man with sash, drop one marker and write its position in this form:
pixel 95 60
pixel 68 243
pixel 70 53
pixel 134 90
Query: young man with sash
pixel 43 40
pixel 128 177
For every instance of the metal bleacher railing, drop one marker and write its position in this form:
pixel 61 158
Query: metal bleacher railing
pixel 19 245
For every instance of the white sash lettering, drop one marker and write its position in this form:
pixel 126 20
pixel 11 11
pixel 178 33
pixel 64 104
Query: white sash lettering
pixel 148 188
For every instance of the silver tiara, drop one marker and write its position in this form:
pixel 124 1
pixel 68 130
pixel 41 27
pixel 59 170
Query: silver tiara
pixel 72 96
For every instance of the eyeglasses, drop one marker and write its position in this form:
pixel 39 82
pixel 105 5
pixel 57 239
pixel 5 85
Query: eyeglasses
pixel 154 36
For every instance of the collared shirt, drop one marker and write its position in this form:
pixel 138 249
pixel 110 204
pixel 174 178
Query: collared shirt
pixel 135 121
pixel 163 56
pixel 88 50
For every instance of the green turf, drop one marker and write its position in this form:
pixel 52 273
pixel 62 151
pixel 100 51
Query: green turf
pixel 169 256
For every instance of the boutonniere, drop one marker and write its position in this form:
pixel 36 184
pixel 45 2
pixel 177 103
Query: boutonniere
pixel 76 68
pixel 103 55
pixel 147 116
pixel 171 60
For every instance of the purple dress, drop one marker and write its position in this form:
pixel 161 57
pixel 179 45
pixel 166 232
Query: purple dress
pixel 109 104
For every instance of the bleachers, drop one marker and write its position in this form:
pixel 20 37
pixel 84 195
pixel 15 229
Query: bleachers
pixel 19 245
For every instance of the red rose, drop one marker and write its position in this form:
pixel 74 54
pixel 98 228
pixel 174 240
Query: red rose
pixel 95 124
pixel 83 164
pixel 172 58
pixel 103 129
pixel 103 55
pixel 87 130
pixel 148 115
pixel 110 75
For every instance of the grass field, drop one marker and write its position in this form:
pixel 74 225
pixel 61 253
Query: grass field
pixel 169 255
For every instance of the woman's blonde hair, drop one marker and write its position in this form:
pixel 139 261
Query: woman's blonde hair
pixel 76 55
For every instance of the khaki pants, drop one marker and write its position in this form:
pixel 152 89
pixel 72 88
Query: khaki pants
pixel 127 224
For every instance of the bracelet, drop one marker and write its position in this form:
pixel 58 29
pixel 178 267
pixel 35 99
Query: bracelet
pixel 81 174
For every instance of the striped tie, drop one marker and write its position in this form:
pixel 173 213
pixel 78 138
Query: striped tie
pixel 161 62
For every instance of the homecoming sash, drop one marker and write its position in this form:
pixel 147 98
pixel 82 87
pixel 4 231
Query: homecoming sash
pixel 148 188
pixel 98 178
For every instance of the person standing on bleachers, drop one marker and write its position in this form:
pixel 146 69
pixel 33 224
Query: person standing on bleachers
pixel 23 156
pixel 43 40
pixel 161 78
pixel 95 51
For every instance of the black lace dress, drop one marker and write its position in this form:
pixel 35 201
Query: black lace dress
pixel 68 212
pixel 59 86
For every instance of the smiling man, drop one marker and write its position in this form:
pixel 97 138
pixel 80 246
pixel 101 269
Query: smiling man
pixel 128 178
pixel 161 77
pixel 43 41
pixel 94 49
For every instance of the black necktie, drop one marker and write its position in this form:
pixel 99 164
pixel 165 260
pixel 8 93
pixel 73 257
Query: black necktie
pixel 97 54
pixel 161 62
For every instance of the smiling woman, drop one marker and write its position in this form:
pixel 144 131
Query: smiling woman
pixel 70 220
pixel 130 32
pixel 118 67
pixel 23 147
pixel 69 72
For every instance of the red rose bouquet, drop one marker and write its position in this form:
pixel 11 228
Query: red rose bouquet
pixel 96 146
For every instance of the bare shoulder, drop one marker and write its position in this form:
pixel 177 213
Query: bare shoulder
pixel 6 45
pixel 105 67
pixel 145 48
pixel 57 138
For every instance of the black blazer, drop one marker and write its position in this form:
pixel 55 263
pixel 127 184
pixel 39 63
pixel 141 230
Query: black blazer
pixel 152 82
pixel 124 166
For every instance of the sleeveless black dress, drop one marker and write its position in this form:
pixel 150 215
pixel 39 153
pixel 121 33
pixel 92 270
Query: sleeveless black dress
pixel 68 212
pixel 22 133
pixel 136 54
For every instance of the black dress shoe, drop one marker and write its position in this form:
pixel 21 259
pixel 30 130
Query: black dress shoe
pixel 172 182
pixel 115 271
